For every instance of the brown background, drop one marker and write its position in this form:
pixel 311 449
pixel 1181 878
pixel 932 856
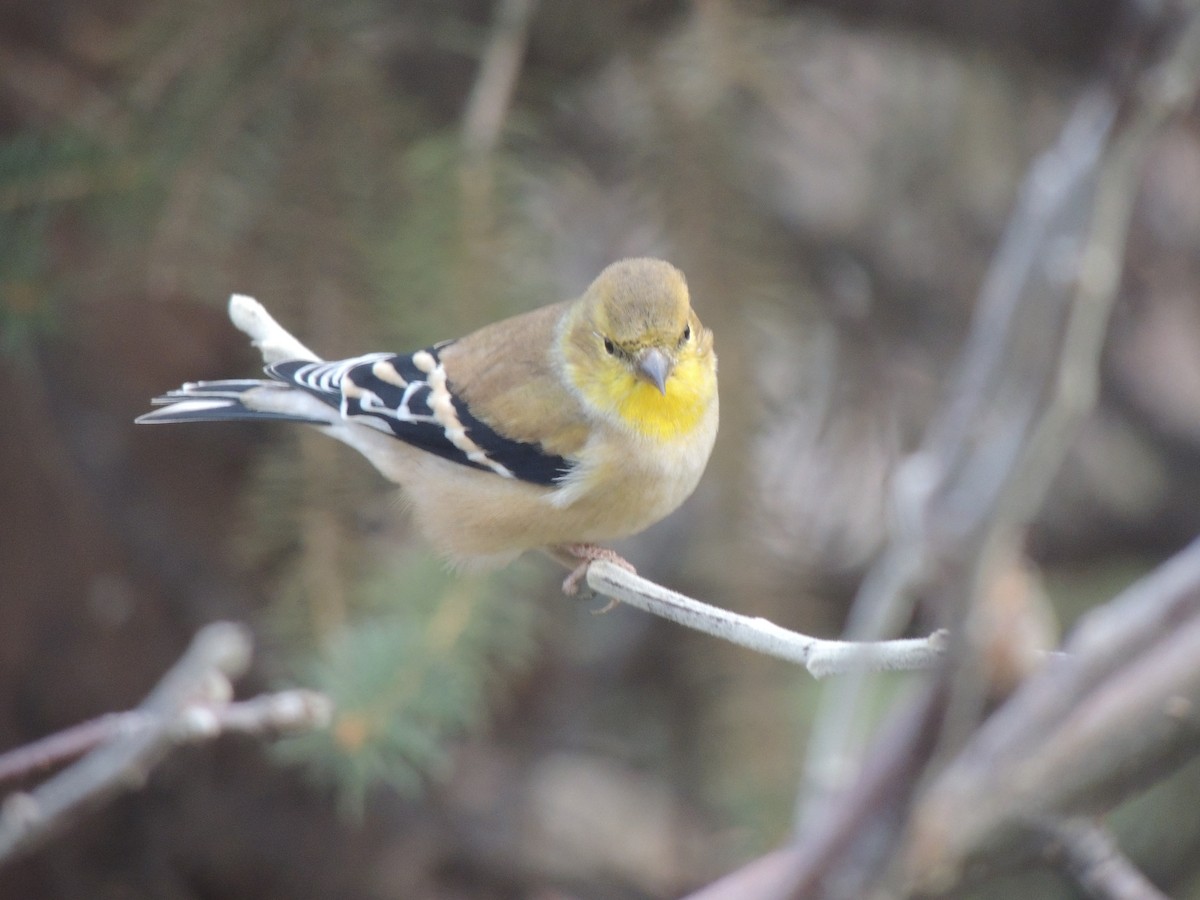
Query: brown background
pixel 833 178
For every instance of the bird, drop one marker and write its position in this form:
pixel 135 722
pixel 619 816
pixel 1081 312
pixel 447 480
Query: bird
pixel 558 429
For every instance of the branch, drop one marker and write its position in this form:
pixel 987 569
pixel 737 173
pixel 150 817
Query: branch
pixel 190 703
pixel 820 656
pixel 274 714
pixel 1028 377
pixel 483 122
pixel 1092 858
pixel 499 67
pixel 949 495
pixel 1092 727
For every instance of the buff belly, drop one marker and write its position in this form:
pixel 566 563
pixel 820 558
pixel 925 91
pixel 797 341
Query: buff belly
pixel 478 519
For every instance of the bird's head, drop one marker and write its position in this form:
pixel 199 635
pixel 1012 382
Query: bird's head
pixel 635 350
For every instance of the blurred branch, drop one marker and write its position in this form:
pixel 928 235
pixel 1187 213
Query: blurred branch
pixel 948 495
pixel 1116 713
pixel 821 657
pixel 1092 858
pixel 267 714
pixel 1027 379
pixel 190 703
pixel 491 95
pixel 483 121
pixel 66 744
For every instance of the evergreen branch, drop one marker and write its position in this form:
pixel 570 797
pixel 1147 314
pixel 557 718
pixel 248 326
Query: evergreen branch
pixel 820 656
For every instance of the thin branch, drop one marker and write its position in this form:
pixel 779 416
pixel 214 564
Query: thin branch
pixel 1092 858
pixel 760 877
pixel 1027 379
pixel 1084 733
pixel 947 494
pixel 278 713
pixel 68 744
pixel 482 126
pixel 820 656
pixel 191 702
pixel 492 92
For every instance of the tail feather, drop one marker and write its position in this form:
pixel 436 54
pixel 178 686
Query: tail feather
pixel 232 387
pixel 220 401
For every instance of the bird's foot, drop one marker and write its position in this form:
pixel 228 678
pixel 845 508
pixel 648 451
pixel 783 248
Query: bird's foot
pixel 588 554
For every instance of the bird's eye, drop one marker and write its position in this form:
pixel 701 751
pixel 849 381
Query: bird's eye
pixel 687 334
pixel 609 347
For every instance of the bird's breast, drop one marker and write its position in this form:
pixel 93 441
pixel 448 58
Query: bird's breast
pixel 620 488
pixel 678 413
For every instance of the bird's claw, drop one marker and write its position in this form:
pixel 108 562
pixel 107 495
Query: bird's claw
pixel 588 554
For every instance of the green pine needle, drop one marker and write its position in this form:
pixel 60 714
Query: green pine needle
pixel 418 670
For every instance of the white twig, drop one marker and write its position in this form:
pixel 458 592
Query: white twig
pixel 280 713
pixel 820 656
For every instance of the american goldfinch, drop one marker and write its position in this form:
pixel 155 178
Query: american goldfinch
pixel 580 422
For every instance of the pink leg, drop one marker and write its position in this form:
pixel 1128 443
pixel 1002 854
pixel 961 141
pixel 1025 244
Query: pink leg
pixel 588 554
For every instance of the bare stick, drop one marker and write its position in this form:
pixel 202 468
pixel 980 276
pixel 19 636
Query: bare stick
pixel 1079 736
pixel 820 656
pixel 67 744
pixel 1028 377
pixel 191 702
pixel 492 92
pixel 268 714
pixel 1092 858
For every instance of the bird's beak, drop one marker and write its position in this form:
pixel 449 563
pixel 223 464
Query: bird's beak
pixel 654 366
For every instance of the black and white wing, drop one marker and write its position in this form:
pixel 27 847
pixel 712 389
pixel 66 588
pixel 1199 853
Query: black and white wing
pixel 406 396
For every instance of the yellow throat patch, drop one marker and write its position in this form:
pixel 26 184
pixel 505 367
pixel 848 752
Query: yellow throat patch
pixel 673 415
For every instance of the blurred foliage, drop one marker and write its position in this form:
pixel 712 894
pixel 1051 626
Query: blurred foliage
pixel 1076 589
pixel 453 257
pixel 421 664
pixel 39 174
pixel 242 151
pixel 1157 850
